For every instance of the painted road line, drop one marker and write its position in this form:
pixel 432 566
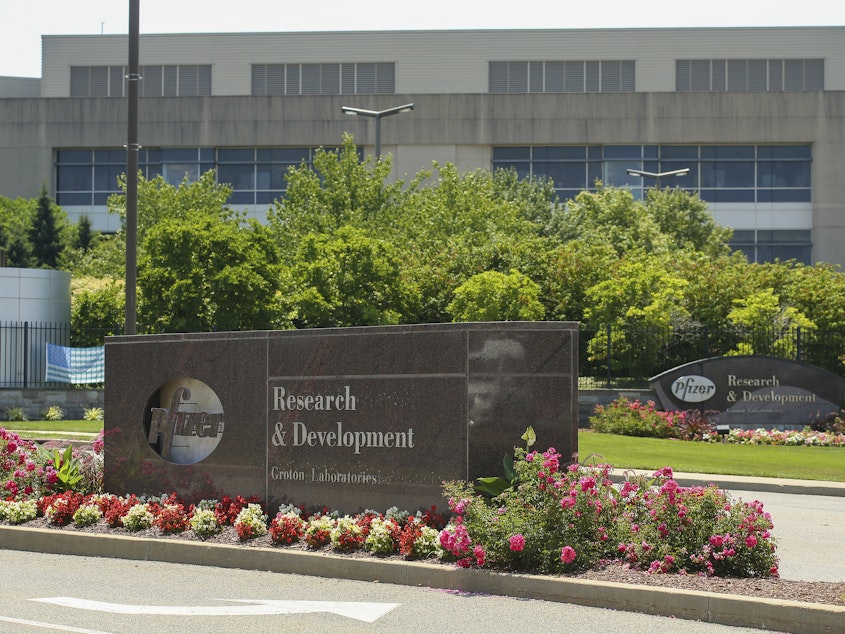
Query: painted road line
pixel 361 611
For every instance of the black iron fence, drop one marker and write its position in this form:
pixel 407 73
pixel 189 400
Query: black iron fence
pixel 23 350
pixel 610 357
pixel 615 357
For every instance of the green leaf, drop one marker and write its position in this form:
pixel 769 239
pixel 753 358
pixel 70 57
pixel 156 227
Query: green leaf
pixel 510 472
pixel 493 487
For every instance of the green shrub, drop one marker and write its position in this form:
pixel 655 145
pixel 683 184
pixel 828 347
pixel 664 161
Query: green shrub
pixel 54 412
pixel 494 296
pixel 93 413
pixel 632 418
pixel 16 414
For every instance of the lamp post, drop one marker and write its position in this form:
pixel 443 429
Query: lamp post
pixel 657 176
pixel 377 115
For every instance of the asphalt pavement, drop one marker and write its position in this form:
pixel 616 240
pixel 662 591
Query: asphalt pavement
pixel 809 526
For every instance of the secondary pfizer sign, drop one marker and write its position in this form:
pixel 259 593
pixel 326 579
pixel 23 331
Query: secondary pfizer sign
pixel 693 388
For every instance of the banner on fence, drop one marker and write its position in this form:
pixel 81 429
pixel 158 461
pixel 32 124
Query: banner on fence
pixel 75 365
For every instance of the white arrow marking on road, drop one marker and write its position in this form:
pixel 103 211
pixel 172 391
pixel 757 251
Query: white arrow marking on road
pixel 362 611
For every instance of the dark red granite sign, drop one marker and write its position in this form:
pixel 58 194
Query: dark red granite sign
pixel 349 418
pixel 753 391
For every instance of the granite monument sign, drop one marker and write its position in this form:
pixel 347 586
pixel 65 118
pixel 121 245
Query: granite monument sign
pixel 747 392
pixel 348 418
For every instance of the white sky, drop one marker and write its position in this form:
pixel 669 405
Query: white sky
pixel 22 22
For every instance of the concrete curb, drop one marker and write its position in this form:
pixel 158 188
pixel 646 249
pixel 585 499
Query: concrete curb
pixel 725 609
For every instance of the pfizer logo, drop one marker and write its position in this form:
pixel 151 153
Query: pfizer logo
pixel 184 421
pixel 693 388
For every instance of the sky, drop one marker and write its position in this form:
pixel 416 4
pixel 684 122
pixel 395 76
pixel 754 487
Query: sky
pixel 22 22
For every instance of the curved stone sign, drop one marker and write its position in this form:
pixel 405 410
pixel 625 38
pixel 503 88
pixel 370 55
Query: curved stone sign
pixel 752 391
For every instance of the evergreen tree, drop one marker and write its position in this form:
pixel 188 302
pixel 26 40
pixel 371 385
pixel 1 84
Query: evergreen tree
pixel 45 234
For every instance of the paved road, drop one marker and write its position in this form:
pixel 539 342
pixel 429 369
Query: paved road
pixel 810 533
pixel 31 576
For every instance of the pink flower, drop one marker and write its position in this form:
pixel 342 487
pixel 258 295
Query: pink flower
pixel 478 551
pixel 517 542
pixel 716 540
pixel 567 554
pixel 751 541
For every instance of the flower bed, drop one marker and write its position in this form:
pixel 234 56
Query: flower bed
pixel 634 418
pixel 551 518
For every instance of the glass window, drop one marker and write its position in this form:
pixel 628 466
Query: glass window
pixel 724 174
pixel 79 76
pixel 73 156
pixel 535 77
pixel 611 76
pixel 105 177
pixel 508 153
pixel 235 155
pixel 623 151
pixel 737 75
pixel 569 175
pixel 592 73
pixel 385 78
pixel 498 77
pixel 170 81
pixel 518 77
pixel 151 82
pixel 310 79
pixel 554 77
pixel 700 75
pixel 682 75
pixel 814 74
pixel 74 178
pixel 574 77
pixel 783 174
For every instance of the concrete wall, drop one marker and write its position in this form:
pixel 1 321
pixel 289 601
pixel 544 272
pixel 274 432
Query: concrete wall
pixel 443 62
pixel 35 401
pixel 460 128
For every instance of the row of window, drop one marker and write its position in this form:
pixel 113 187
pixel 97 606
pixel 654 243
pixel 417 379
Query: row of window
pixel 372 78
pixel 560 76
pixel 718 173
pixel 185 80
pixel 89 177
pixel 749 75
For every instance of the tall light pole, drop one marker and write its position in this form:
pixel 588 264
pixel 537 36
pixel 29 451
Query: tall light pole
pixel 658 176
pixel 132 169
pixel 377 115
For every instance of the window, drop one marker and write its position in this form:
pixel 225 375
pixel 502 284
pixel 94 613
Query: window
pixel 717 173
pixel 561 76
pixel 362 78
pixel 256 175
pixel 156 81
pixel 768 245
pixel 749 75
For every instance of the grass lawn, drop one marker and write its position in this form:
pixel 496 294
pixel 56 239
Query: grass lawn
pixel 629 452
pixel 54 429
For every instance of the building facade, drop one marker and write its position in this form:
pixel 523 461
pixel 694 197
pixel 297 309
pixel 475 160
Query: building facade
pixel 757 116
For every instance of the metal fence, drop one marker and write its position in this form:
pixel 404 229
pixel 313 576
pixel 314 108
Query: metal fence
pixel 614 357
pixel 610 357
pixel 23 350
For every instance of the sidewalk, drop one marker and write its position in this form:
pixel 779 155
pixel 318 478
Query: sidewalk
pixel 747 483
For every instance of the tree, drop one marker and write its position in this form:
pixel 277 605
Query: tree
pixel 206 270
pixel 494 296
pixel 684 219
pixel 47 233
pixel 348 279
pixel 769 323
pixel 15 220
pixel 96 309
pixel 339 190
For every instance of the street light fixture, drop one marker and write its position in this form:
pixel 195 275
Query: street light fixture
pixel 377 115
pixel 658 176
